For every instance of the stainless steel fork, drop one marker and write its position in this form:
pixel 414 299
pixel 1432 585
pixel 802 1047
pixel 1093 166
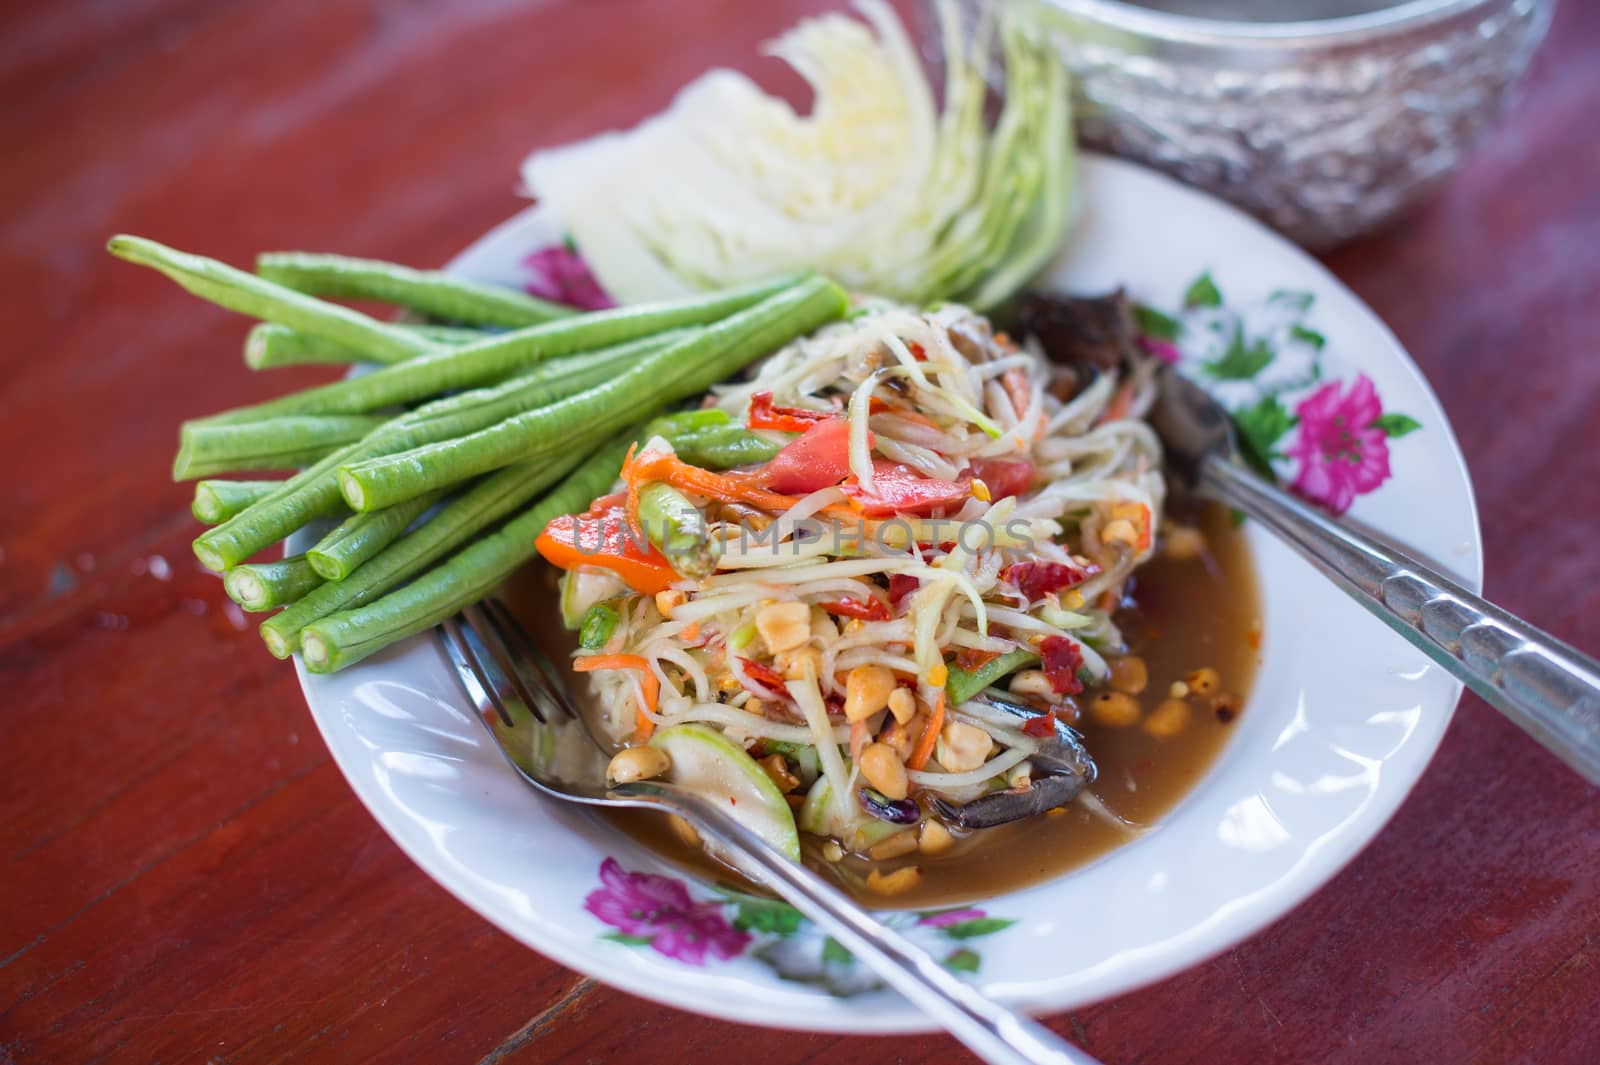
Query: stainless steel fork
pixel 524 702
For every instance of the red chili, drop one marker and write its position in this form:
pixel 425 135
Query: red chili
pixel 766 676
pixel 1035 580
pixel 763 415
pixel 869 609
pixel 1041 727
pixel 902 586
pixel 1061 660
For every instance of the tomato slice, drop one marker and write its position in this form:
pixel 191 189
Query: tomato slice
pixel 897 489
pixel 817 458
pixel 606 541
pixel 1005 477
pixel 763 415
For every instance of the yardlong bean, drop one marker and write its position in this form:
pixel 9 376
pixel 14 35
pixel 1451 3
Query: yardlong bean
pixel 277 444
pixel 340 639
pixel 217 501
pixel 498 357
pixel 362 536
pixel 487 502
pixel 314 492
pixel 248 294
pixel 271 345
pixel 687 368
pixel 427 292
pixel 265 585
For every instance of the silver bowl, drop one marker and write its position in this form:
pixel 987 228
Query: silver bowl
pixel 1324 126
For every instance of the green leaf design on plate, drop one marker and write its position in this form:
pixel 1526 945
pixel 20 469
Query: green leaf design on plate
pixel 963 961
pixel 1241 361
pixel 982 926
pixel 767 915
pixel 1297 298
pixel 1152 322
pixel 834 952
pixel 1202 293
pixel 1308 336
pixel 1260 427
pixel 627 940
pixel 1397 425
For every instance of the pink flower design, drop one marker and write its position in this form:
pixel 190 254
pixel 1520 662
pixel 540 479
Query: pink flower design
pixel 946 918
pixel 658 908
pixel 561 275
pixel 1161 349
pixel 1342 452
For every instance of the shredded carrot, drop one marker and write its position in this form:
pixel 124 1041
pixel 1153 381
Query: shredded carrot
pixel 930 735
pixel 650 686
pixel 1108 600
pixel 858 739
pixel 1144 528
pixel 1018 391
pixel 691 632
pixel 1119 406
pixel 727 487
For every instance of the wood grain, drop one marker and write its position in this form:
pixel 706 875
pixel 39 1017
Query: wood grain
pixel 187 877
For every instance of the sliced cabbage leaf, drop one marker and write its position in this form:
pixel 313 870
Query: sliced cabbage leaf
pixel 878 184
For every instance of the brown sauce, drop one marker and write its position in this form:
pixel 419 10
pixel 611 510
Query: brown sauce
pixel 1188 614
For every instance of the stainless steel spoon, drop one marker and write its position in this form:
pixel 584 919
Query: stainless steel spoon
pixel 1551 690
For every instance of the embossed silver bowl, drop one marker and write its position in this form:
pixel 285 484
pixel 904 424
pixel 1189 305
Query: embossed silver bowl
pixel 1321 117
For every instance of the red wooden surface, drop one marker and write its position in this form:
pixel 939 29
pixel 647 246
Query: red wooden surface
pixel 186 876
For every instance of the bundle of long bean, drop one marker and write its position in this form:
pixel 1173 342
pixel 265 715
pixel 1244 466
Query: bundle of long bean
pixel 558 386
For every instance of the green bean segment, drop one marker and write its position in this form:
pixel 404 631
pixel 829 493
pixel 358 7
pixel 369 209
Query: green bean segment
pixel 498 357
pixel 599 622
pixel 278 444
pixel 338 640
pixel 684 369
pixel 314 492
pixel 487 502
pixel 361 536
pixel 427 292
pixel 723 447
pixel 677 528
pixel 963 684
pixel 265 585
pixel 248 294
pixel 217 501
pixel 270 345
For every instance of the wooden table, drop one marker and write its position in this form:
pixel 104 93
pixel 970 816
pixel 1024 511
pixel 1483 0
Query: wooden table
pixel 186 875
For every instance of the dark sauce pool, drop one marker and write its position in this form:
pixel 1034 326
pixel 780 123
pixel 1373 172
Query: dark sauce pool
pixel 1188 613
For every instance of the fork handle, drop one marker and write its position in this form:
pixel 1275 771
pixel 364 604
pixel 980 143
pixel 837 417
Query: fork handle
pixel 1551 690
pixel 995 1033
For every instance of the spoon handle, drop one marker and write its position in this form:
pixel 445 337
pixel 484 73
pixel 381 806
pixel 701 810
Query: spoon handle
pixel 997 1034
pixel 1551 690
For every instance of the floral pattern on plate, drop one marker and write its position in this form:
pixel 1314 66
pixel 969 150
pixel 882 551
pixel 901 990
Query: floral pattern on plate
pixel 646 909
pixel 1328 440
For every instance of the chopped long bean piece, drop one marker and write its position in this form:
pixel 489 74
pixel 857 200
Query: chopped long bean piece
pixel 963 684
pixel 676 526
pixel 487 502
pixel 217 501
pixel 501 356
pixel 314 492
pixel 724 446
pixel 248 294
pixel 271 345
pixel 266 585
pixel 427 292
pixel 277 444
pixel 337 640
pixel 361 536
pixel 687 368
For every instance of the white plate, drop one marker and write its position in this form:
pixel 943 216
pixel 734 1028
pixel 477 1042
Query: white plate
pixel 1342 721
